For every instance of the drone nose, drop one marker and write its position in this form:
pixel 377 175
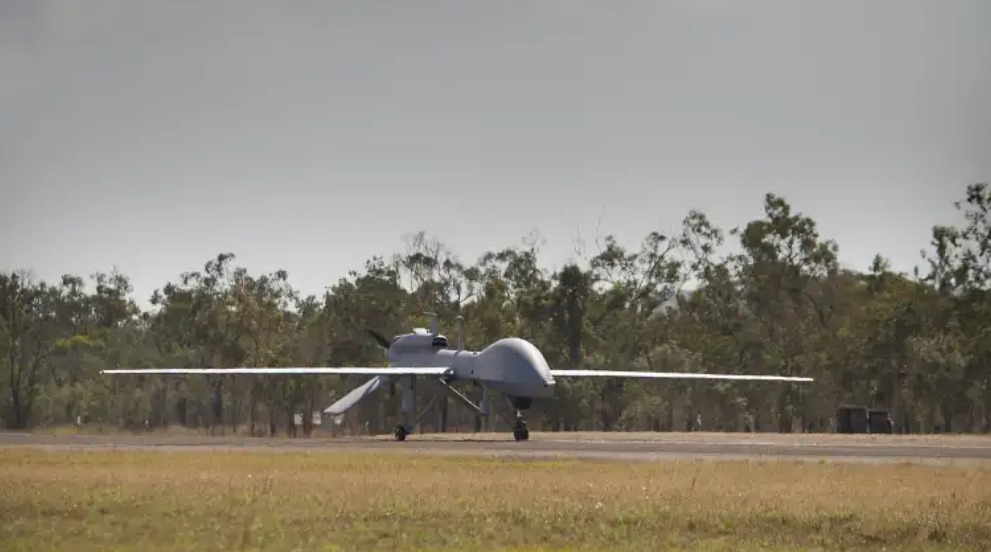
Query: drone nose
pixel 519 361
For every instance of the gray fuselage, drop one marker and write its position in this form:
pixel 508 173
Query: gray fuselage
pixel 511 365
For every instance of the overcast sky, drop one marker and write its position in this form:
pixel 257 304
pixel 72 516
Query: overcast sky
pixel 310 136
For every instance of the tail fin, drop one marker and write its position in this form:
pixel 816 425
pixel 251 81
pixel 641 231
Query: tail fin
pixel 355 396
pixel 434 323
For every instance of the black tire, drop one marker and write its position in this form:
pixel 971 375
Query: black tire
pixel 401 433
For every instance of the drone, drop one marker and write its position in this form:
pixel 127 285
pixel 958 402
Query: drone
pixel 511 366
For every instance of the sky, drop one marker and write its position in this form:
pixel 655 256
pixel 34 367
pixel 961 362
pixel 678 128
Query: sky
pixel 309 136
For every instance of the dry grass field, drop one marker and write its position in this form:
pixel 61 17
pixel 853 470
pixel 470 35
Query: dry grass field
pixel 113 500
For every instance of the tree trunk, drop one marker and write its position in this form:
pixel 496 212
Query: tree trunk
pixel 443 414
pixel 785 418
pixel 309 407
pixel 290 423
pixel 252 412
pixel 181 411
pixel 19 420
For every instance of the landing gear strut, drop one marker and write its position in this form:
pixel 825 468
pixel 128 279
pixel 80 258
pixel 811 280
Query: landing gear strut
pixel 520 432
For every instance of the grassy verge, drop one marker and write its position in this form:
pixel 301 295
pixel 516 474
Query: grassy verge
pixel 154 501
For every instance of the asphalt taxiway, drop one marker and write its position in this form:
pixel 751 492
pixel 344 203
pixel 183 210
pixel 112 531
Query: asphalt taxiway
pixel 607 446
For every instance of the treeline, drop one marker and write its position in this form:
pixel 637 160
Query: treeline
pixel 917 344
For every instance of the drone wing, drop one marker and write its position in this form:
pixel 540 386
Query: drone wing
pixel 342 371
pixel 669 375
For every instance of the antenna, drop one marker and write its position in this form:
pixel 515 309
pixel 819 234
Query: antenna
pixel 461 333
pixel 434 325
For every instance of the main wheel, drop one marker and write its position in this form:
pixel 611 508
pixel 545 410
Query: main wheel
pixel 401 433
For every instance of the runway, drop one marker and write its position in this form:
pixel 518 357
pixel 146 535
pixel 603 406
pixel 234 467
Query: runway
pixel 601 446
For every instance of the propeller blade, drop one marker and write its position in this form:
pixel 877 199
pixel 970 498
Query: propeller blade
pixel 385 343
pixel 379 338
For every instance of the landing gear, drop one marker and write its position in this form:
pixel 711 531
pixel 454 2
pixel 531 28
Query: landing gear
pixel 401 433
pixel 520 432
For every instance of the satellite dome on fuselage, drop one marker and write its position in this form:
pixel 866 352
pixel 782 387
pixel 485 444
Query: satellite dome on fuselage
pixel 418 341
pixel 516 367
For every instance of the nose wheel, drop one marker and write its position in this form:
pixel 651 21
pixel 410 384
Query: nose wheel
pixel 520 432
pixel 401 433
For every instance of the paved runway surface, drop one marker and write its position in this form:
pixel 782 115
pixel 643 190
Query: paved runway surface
pixel 614 446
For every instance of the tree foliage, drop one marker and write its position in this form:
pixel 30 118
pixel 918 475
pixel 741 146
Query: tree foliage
pixel 918 345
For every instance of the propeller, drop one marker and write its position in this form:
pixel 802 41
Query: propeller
pixel 385 344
